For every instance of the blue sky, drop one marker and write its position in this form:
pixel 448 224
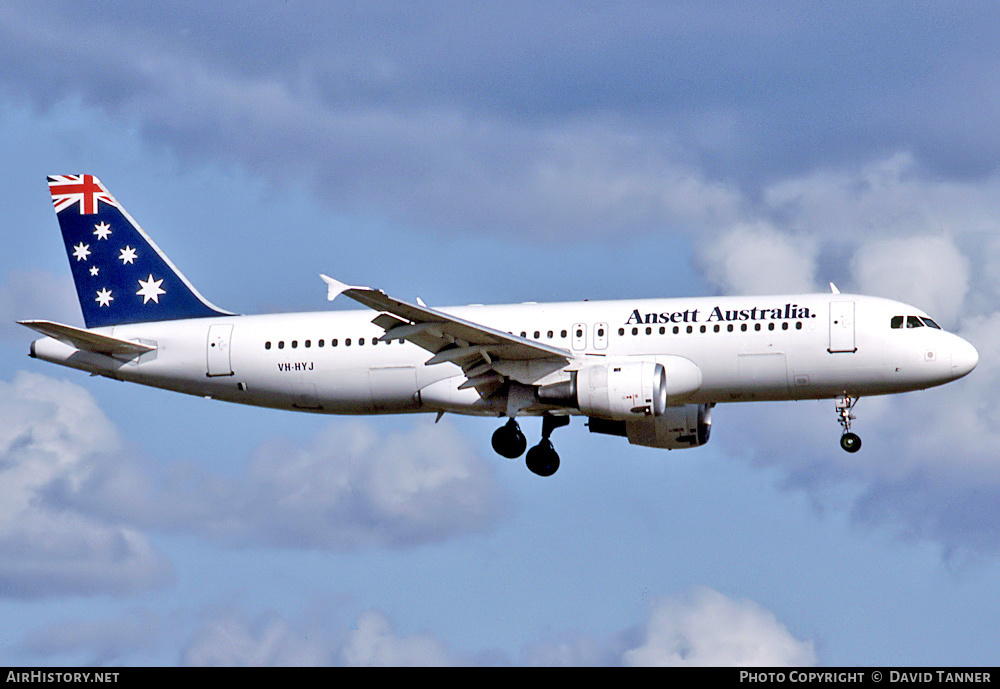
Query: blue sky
pixel 470 152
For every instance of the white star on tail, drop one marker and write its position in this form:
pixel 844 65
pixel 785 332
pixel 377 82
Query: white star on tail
pixel 94 270
pixel 150 290
pixel 81 251
pixel 127 255
pixel 102 230
pixel 104 297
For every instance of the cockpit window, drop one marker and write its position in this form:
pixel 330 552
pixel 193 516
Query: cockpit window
pixel 912 322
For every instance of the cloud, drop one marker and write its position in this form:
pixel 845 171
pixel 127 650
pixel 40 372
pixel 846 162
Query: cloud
pixel 374 643
pixel 229 640
pixel 349 488
pixel 98 642
pixel 75 505
pixel 701 629
pixel 52 434
pixel 353 488
pixel 709 629
pixel 760 259
pixel 927 271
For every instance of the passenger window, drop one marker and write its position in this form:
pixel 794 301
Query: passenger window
pixel 896 322
pixel 913 322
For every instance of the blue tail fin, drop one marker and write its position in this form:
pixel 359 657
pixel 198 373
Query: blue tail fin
pixel 121 276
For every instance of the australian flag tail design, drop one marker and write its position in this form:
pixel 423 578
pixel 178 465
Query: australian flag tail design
pixel 121 276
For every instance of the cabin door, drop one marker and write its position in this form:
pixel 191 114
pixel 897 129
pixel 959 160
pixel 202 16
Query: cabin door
pixel 842 327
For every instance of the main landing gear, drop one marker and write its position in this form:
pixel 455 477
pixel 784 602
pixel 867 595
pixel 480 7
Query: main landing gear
pixel 542 459
pixel 509 441
pixel 849 441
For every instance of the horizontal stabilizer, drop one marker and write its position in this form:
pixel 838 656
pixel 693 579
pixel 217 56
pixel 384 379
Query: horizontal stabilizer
pixel 87 340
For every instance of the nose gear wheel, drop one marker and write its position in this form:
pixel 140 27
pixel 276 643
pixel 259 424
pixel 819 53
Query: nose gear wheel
pixel 850 442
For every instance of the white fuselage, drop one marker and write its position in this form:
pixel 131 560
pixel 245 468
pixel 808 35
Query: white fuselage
pixel 745 348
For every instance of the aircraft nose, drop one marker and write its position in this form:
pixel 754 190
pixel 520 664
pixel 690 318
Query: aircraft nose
pixel 964 358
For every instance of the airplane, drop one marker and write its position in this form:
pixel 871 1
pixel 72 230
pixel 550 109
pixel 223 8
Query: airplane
pixel 648 370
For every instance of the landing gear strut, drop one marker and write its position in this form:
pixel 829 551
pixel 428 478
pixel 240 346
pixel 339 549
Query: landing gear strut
pixel 849 441
pixel 542 459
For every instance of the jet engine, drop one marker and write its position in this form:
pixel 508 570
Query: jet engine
pixel 623 390
pixel 626 389
pixel 681 427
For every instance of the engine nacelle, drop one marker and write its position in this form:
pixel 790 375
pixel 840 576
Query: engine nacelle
pixel 622 390
pixel 681 427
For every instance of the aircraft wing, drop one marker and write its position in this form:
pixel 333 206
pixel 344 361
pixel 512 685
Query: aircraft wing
pixel 478 349
pixel 87 340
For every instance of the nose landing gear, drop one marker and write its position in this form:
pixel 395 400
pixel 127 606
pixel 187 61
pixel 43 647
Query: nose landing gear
pixel 850 442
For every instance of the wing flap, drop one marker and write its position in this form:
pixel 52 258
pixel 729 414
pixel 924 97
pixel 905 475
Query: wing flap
pixel 87 340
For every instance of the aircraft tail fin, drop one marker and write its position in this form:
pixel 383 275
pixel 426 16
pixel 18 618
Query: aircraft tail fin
pixel 121 275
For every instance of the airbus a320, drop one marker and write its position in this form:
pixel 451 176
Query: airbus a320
pixel 649 370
